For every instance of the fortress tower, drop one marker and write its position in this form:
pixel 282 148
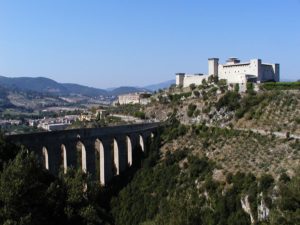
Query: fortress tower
pixel 213 64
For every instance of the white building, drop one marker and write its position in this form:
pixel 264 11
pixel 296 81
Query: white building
pixel 234 72
pixel 134 98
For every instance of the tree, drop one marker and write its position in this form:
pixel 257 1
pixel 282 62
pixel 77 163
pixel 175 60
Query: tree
pixel 192 86
pixel 23 192
pixel 237 88
pixel 8 151
pixel 196 93
pixel 29 194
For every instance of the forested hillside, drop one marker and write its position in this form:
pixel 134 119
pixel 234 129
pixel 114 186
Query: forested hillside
pixel 186 187
pixel 208 165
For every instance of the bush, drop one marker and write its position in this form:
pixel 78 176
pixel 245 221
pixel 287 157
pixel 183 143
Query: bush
pixel 265 182
pixel 192 86
pixel 140 115
pixel 250 88
pixel 229 100
pixel 196 93
pixel 191 110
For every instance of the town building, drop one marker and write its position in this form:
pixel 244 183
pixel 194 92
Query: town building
pixel 134 98
pixel 234 72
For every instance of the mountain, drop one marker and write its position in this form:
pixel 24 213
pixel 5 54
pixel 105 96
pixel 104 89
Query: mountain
pixel 38 84
pixel 126 90
pixel 46 85
pixel 162 85
pixel 84 90
pixel 49 86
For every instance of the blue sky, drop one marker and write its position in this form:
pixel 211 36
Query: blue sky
pixel 108 43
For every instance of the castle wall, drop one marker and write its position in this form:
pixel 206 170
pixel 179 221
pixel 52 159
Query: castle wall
pixel 194 79
pixel 236 73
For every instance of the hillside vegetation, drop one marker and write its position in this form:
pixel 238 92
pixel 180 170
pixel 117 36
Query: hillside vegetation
pixel 207 165
pixel 215 105
pixel 187 185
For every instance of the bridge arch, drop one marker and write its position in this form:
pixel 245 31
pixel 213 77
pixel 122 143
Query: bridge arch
pixel 63 157
pixel 129 150
pixel 142 142
pixel 99 161
pixel 152 135
pixel 116 157
pixel 45 158
pixel 81 156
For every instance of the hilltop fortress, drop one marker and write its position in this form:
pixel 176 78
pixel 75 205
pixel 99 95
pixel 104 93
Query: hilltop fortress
pixel 234 72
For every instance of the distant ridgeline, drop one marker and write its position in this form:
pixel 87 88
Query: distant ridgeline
pixel 46 85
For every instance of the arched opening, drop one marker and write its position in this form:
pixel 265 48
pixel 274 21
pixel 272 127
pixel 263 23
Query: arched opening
pixel 152 136
pixel 116 158
pixel 81 156
pixel 45 158
pixel 63 157
pixel 99 161
pixel 129 151
pixel 141 142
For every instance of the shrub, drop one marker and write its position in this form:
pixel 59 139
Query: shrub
pixel 191 110
pixel 265 182
pixel 140 115
pixel 250 88
pixel 229 100
pixel 192 86
pixel 196 93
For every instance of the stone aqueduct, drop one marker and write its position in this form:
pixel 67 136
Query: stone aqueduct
pixel 102 152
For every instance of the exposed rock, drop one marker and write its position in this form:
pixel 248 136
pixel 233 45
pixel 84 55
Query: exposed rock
pixel 262 209
pixel 246 207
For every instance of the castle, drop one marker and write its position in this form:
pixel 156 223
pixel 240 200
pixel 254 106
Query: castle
pixel 234 72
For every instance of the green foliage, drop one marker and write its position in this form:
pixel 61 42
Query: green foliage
pixel 126 109
pixel 8 151
pixel 192 87
pixel 265 182
pixel 229 100
pixel 191 110
pixel 140 115
pixel 288 203
pixel 199 167
pixel 176 97
pixel 30 195
pixel 197 94
pixel 222 82
pixel 166 194
pixel 250 88
pixel 281 85
pixel 174 130
pixel 236 88
pixel 248 103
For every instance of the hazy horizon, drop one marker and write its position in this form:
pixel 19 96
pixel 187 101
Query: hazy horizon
pixel 111 44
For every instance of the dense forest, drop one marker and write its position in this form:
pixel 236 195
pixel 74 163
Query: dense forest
pixel 173 187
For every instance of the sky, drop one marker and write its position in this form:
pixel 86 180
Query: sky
pixel 110 43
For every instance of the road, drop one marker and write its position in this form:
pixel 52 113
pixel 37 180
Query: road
pixel 263 132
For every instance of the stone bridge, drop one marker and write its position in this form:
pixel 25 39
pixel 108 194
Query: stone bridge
pixel 103 152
